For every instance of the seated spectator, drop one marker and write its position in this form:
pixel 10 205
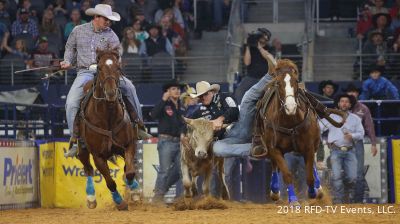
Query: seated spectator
pixel 173 13
pixel 394 58
pixel 328 88
pixel 60 8
pixel 75 21
pixel 4 15
pixel 381 22
pixel 394 11
pixel 379 7
pixel 24 25
pixel 147 7
pixel 378 87
pixel 140 34
pixel 130 45
pixel 19 50
pixel 395 25
pixel 139 15
pixel 364 24
pixel 168 32
pixel 48 25
pixel 376 51
pixel 156 43
pixel 42 56
pixel 85 5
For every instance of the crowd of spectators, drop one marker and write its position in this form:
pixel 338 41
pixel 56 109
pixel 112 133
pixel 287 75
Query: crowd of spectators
pixel 148 28
pixel 378 33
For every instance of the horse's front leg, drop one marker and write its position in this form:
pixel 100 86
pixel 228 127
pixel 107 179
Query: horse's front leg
pixel 90 191
pixel 130 171
pixel 102 166
pixel 275 186
pixel 309 160
pixel 277 156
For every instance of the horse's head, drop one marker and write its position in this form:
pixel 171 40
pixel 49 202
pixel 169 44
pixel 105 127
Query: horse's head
pixel 286 76
pixel 108 71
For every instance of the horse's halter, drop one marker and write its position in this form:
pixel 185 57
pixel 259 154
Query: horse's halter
pixel 102 83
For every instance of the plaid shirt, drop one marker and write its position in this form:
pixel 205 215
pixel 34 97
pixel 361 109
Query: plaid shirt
pixel 21 28
pixel 83 41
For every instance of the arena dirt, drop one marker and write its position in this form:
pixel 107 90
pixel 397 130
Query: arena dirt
pixel 242 213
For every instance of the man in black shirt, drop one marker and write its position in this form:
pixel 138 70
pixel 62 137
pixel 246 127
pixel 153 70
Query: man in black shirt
pixel 255 59
pixel 169 114
pixel 220 109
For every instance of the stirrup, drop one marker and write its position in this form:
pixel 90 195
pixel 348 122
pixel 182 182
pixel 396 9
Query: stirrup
pixel 72 152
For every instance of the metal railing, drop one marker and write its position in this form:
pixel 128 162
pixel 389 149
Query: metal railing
pixel 156 69
pixel 44 121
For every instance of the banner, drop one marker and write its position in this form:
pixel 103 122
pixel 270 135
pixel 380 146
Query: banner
pixel 396 168
pixel 18 176
pixel 63 180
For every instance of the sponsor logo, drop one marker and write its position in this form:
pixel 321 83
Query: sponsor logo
pixel 17 172
pixel 80 172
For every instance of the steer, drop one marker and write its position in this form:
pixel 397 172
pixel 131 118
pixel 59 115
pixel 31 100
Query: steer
pixel 197 158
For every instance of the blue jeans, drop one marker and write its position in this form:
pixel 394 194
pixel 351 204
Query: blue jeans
pixel 169 155
pixel 76 94
pixel 346 162
pixel 296 166
pixel 361 182
pixel 238 137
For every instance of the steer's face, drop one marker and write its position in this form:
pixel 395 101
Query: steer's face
pixel 201 136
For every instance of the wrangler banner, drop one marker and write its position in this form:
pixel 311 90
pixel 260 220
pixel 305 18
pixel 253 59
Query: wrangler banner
pixel 18 175
pixel 63 181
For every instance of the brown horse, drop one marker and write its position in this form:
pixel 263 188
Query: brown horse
pixel 288 123
pixel 105 127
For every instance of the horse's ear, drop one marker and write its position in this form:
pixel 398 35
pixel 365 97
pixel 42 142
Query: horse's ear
pixel 98 54
pixel 115 52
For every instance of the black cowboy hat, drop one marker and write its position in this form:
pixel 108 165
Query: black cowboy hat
pixel 151 26
pixel 376 16
pixel 172 83
pixel 327 82
pixel 353 100
pixel 351 88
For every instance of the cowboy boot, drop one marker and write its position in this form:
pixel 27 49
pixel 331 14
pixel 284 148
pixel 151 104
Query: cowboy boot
pixel 257 149
pixel 142 132
pixel 73 142
pixel 73 148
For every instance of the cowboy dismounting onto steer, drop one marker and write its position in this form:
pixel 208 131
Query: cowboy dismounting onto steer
pixel 80 49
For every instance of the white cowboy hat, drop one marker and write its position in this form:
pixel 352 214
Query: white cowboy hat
pixel 203 87
pixel 103 10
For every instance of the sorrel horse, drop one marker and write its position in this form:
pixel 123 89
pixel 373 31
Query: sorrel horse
pixel 288 122
pixel 105 128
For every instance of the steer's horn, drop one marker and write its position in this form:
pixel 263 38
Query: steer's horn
pixel 188 120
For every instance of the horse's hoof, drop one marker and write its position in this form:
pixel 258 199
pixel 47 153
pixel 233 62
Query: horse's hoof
pixel 294 204
pixel 275 196
pixel 91 204
pixel 123 206
pixel 320 193
pixel 135 195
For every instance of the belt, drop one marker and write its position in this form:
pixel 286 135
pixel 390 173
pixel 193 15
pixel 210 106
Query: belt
pixel 168 137
pixel 342 148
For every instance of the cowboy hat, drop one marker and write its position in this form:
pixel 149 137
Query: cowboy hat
pixel 172 83
pixel 203 87
pixel 351 88
pixel 328 82
pixel 352 99
pixel 374 33
pixel 105 11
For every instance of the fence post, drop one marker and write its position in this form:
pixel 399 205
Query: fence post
pixel 66 77
pixel 360 52
pixel 12 73
pixel 173 67
pixel 275 13
pixel 379 117
pixel 6 119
